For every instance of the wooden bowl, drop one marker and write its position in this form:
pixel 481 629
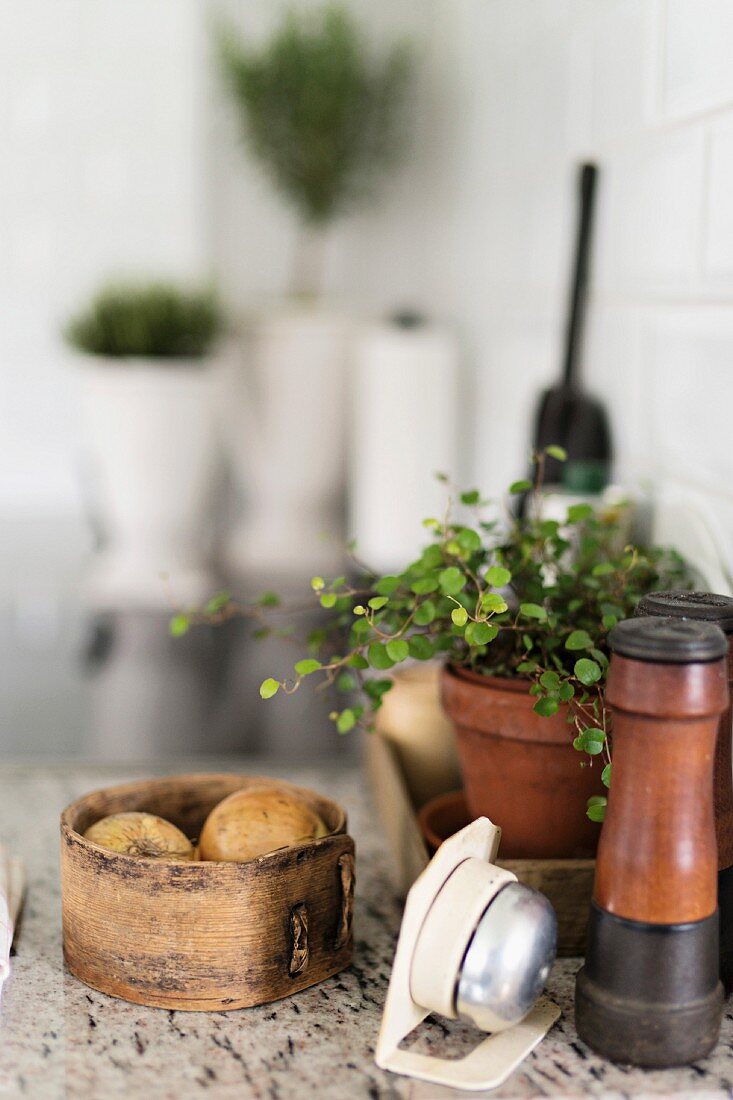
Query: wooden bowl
pixel 203 935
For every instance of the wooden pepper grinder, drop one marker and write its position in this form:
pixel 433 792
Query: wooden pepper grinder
pixel 712 608
pixel 649 992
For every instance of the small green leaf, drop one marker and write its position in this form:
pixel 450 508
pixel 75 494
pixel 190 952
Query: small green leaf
pixel 527 641
pixel 318 583
pixel 533 611
pixel 424 585
pixel 522 486
pixel 609 621
pixel 459 615
pixel 432 557
pixel 492 601
pixel 425 613
pixel 269 599
pixel 421 648
pixel 603 569
pixel 398 649
pixel 328 599
pixel 597 812
pixel 566 691
pixel 346 720
pixel 217 603
pixel 527 666
pixel 556 452
pixel 345 682
pixel 497 576
pixel 378 656
pixel 606 775
pixel 378 602
pixel 360 609
pixel 481 633
pixel 375 689
pixel 578 512
pixel 385 586
pixel 579 639
pixel 550 681
pixel 469 540
pixel 307 666
pixel 179 624
pixel 451 580
pixel 546 706
pixel 357 661
pixel 587 671
pixel 471 497
pixel 268 688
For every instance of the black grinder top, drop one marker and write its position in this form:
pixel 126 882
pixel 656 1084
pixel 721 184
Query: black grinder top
pixel 667 640
pixel 703 606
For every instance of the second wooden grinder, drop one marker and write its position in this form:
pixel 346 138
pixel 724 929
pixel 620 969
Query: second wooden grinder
pixel 649 993
pixel 713 608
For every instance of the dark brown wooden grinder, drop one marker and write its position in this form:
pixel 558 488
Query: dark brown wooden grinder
pixel 712 608
pixel 649 993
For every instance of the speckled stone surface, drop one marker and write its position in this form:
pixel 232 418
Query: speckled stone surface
pixel 60 1039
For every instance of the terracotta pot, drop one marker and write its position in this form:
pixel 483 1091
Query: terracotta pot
pixel 412 719
pixel 442 817
pixel 520 769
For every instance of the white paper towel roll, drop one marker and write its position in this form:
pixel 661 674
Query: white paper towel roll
pixel 403 431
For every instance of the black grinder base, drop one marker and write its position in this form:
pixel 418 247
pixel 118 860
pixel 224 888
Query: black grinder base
pixel 649 994
pixel 725 908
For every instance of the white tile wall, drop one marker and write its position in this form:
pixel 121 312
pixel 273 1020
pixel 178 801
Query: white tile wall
pixel 100 128
pixel 696 56
pixel 116 151
pixel 718 245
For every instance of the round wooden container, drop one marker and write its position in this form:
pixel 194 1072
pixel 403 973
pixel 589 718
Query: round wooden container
pixel 203 935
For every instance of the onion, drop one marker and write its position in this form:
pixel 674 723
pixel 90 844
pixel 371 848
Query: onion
pixel 141 834
pixel 255 821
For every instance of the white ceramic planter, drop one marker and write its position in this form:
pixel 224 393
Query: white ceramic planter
pixel 151 457
pixel 402 431
pixel 286 442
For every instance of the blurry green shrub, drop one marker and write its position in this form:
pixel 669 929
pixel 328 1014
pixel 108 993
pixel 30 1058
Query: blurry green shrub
pixel 154 320
pixel 321 114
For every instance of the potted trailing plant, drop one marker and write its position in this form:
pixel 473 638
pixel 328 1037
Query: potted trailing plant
pixel 145 355
pixel 518 609
pixel 322 115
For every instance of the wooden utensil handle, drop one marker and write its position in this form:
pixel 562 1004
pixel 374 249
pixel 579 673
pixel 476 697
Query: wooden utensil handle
pixel 723 778
pixel 657 857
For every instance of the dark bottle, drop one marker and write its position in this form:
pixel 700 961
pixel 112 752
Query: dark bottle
pixel 649 992
pixel 712 608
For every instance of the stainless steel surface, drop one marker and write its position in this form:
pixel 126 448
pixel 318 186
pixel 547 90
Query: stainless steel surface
pixel 508 959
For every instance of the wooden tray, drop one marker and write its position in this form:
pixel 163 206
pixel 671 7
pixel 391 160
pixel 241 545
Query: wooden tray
pixel 206 935
pixel 568 883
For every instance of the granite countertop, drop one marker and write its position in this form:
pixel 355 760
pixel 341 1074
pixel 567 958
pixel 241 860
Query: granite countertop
pixel 60 1039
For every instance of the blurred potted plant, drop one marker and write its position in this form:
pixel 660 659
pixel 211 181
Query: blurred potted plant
pixel 518 611
pixel 323 118
pixel 147 392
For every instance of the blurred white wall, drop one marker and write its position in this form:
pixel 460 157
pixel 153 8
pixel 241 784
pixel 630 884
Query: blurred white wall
pixel 101 130
pixel 121 153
